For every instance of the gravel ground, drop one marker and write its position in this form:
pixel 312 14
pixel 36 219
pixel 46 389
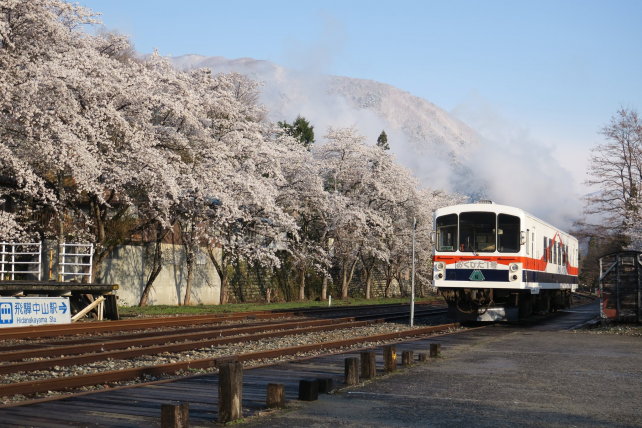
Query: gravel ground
pixel 210 352
pixel 623 330
pixel 523 379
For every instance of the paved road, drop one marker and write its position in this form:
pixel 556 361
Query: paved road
pixel 536 375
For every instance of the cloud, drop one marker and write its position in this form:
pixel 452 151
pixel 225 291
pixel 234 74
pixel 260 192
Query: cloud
pixel 518 169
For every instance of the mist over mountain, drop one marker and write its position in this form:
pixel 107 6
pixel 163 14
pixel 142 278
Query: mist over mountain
pixel 422 136
pixel 496 160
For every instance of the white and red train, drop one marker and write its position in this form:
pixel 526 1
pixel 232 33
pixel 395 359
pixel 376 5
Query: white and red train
pixel 499 263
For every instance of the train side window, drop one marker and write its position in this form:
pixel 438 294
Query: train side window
pixel 508 233
pixel 545 253
pixel 447 232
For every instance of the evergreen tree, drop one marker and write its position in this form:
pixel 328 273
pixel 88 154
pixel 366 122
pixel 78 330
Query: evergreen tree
pixel 299 129
pixel 382 141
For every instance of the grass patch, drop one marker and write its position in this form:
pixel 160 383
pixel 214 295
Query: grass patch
pixel 247 307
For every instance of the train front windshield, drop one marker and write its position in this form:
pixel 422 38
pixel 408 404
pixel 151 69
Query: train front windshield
pixel 478 232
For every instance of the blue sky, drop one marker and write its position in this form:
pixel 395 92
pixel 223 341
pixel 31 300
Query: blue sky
pixel 557 70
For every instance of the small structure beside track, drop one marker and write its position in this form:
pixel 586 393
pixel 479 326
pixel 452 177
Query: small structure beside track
pixel 621 286
pixel 22 271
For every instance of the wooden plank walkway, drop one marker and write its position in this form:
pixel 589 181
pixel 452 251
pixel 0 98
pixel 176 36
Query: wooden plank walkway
pixel 140 406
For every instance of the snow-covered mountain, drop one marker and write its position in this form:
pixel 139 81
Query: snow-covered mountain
pixel 497 160
pixel 423 136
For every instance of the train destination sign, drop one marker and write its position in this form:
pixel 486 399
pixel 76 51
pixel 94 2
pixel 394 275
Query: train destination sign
pixel 24 311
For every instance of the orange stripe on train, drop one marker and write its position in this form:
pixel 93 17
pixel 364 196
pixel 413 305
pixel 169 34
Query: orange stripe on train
pixel 527 262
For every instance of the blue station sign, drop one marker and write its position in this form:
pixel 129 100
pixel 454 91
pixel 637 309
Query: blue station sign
pixel 25 311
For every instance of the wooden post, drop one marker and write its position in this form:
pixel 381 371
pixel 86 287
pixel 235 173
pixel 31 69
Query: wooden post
pixel 325 385
pixel 275 395
pixel 175 415
pixel 407 358
pixel 389 358
pixel 352 371
pixel 368 365
pixel 435 350
pixel 230 392
pixel 308 389
pixel 423 357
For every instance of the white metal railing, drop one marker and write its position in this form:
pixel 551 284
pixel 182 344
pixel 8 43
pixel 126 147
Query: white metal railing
pixel 73 260
pixel 18 254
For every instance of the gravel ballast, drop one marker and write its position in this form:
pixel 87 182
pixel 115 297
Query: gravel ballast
pixel 212 352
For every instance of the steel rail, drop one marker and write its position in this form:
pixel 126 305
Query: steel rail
pixel 80 346
pixel 29 366
pixel 62 383
pixel 137 335
pixel 67 329
pixel 102 346
pixel 30 332
pixel 230 337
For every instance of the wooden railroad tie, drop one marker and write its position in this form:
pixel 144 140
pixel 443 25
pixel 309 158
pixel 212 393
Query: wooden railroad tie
pixel 175 415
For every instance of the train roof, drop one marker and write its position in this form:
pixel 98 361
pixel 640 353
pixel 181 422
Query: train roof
pixel 488 206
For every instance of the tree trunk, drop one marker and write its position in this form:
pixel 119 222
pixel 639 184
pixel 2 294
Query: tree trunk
pixel 157 264
pixel 324 288
pixel 388 284
pixel 190 274
pixel 302 286
pixel 368 281
pixel 389 276
pixel 347 279
pixel 221 269
pixel 399 279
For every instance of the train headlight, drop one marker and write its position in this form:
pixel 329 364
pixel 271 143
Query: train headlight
pixel 440 266
pixel 514 267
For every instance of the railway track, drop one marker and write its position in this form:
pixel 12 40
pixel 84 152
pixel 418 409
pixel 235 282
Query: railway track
pixel 34 357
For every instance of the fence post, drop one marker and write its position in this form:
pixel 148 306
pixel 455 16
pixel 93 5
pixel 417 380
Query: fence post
pixel 175 415
pixel 352 371
pixel 275 395
pixel 230 392
pixel 435 350
pixel 389 358
pixel 407 358
pixel 368 365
